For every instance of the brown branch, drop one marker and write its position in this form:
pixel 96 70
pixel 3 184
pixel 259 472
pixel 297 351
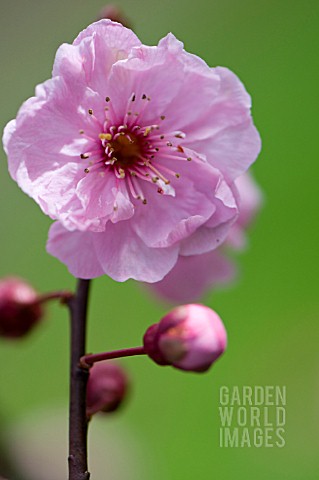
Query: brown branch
pixel 78 468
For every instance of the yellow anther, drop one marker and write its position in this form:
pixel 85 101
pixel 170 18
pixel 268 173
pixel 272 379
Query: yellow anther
pixel 105 136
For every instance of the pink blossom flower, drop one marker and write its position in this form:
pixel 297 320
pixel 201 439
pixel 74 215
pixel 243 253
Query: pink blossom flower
pixel 190 337
pixel 133 150
pixel 193 275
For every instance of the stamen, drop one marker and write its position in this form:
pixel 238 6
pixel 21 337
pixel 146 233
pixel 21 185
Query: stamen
pixel 91 113
pixel 105 136
pixel 174 157
pixel 131 187
pixel 169 171
pixel 140 195
pixel 157 172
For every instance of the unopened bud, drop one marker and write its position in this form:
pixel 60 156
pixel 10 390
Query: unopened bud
pixel 190 337
pixel 19 309
pixel 106 389
pixel 114 13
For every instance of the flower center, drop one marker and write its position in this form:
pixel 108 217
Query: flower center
pixel 126 150
pixel 134 150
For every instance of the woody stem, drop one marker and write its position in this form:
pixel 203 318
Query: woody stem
pixel 78 467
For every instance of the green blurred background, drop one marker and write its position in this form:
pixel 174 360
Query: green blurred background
pixel 270 314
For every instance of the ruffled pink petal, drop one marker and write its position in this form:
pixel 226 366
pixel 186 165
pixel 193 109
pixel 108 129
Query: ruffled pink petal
pixel 89 60
pixel 124 255
pixel 104 198
pixel 177 218
pixel 76 250
pixel 193 276
pixel 150 71
pixel 214 232
pixel 198 91
pixel 226 134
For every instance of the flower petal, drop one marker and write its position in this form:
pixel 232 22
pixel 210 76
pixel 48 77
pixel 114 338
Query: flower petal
pixel 178 217
pixel 76 250
pixel 124 255
pixel 192 276
pixel 226 134
pixel 89 60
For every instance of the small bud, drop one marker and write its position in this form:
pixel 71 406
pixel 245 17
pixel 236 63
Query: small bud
pixel 114 13
pixel 19 309
pixel 190 337
pixel 106 388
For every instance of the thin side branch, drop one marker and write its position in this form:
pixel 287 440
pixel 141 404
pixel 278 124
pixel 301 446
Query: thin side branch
pixel 88 360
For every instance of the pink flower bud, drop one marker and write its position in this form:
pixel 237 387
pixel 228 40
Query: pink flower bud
pixel 19 309
pixel 190 337
pixel 106 389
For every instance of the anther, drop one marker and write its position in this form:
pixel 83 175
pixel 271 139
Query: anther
pixel 84 156
pixel 177 175
pixel 144 201
pixel 90 111
pixel 147 131
pixel 169 144
pixel 162 117
pixel 189 159
pixel 105 136
pixel 86 170
pixel 107 99
pixel 144 96
pixel 81 132
pixel 133 98
pixel 162 137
